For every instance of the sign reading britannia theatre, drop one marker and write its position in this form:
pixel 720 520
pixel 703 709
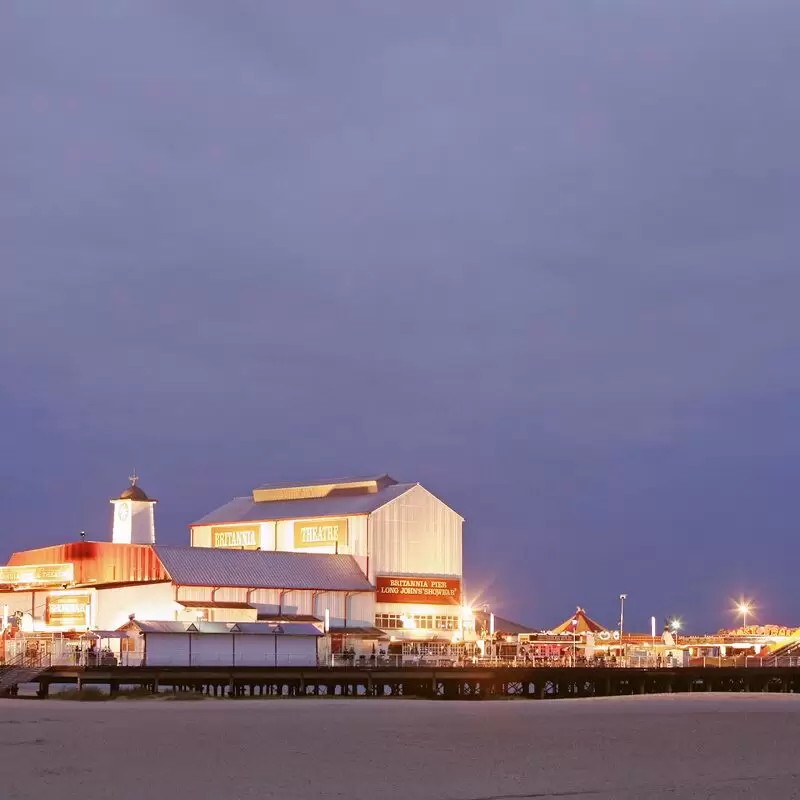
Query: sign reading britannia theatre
pixel 240 537
pixel 320 532
pixel 427 591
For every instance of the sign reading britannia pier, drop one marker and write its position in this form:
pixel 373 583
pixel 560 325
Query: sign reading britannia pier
pixel 427 591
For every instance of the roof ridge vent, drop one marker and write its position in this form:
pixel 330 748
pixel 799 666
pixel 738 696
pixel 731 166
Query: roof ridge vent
pixel 319 489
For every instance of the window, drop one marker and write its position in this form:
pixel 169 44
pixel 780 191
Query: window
pixel 388 621
pixel 423 622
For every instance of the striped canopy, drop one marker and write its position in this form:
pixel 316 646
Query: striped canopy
pixel 585 624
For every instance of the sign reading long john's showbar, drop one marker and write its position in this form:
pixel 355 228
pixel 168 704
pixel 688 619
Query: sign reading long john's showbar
pixel 428 591
pixel 67 610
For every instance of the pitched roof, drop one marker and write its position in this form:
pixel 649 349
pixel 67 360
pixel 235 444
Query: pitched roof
pixel 248 628
pixel 284 628
pixel 262 569
pixel 585 624
pixel 501 625
pixel 155 626
pixel 245 509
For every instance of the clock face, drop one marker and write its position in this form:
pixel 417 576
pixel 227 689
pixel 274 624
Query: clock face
pixel 122 512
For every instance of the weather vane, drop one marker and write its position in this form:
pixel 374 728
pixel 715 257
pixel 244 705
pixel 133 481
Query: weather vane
pixel 133 478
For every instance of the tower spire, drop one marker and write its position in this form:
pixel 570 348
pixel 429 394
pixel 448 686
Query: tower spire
pixel 133 478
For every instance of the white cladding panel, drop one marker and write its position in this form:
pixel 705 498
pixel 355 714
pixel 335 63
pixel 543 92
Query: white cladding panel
pixel 362 610
pixel 31 604
pixel 220 649
pixel 113 607
pixel 255 651
pixel 166 649
pixel 416 534
pixel 211 649
pixel 297 651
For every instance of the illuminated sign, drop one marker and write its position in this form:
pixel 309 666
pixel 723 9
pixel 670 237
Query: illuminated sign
pixel 427 591
pixel 320 532
pixel 242 537
pixel 37 573
pixel 67 610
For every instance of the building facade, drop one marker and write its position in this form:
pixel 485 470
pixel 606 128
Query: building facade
pixel 365 559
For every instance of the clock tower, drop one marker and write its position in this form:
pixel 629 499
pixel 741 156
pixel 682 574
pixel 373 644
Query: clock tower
pixel 134 520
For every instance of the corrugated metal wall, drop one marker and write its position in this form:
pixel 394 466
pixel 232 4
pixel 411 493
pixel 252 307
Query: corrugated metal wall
pixel 219 650
pixel 167 649
pixel 296 651
pixel 416 534
pixel 99 562
pixel 361 606
pixel 362 609
pixel 256 651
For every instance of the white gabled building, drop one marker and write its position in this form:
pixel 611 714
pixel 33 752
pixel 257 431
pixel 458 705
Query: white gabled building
pixel 407 542
pixel 365 559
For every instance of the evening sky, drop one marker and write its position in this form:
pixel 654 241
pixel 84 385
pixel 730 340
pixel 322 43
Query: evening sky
pixel 539 256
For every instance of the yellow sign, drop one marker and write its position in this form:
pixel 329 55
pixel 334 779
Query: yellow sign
pixel 320 532
pixel 37 573
pixel 241 537
pixel 67 610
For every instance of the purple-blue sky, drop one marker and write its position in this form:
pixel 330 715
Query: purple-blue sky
pixel 541 257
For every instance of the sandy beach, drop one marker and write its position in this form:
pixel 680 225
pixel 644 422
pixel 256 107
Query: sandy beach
pixel 705 746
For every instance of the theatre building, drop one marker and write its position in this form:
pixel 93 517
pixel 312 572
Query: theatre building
pixel 365 559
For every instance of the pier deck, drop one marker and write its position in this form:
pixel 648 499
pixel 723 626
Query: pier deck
pixel 446 683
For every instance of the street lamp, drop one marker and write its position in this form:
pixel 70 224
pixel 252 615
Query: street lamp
pixel 574 640
pixel 744 608
pixel 676 626
pixel 622 599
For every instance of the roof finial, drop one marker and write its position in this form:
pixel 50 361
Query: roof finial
pixel 133 478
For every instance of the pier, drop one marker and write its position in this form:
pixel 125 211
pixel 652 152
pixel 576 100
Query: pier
pixel 434 683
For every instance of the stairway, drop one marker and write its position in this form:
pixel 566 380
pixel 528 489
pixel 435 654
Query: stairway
pixel 21 670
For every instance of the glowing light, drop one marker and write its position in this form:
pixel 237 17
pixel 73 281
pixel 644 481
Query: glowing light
pixel 744 607
pixel 408 623
pixel 675 624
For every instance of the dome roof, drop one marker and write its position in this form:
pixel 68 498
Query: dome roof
pixel 134 493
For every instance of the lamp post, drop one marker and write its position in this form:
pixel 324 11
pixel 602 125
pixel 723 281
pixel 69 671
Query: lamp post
pixel 574 640
pixel 676 626
pixel 744 609
pixel 622 599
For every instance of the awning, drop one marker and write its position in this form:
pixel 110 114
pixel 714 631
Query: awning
pixel 365 632
pixel 266 617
